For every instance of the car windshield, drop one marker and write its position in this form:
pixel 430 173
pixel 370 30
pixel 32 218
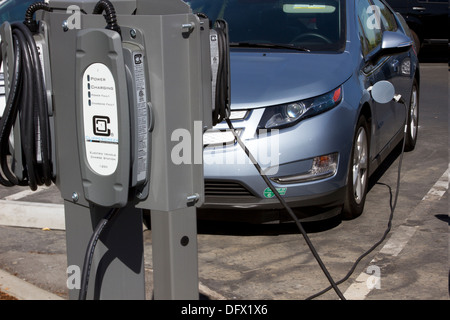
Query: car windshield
pixel 311 25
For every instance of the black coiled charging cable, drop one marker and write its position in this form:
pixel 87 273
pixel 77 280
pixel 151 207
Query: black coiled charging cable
pixel 26 102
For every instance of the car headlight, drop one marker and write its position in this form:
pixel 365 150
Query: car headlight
pixel 322 167
pixel 286 115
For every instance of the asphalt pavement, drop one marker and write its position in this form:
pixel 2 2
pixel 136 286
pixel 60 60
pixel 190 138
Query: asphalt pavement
pixel 413 260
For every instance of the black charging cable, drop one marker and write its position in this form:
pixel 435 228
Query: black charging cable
pixel 29 21
pixel 300 227
pixel 111 24
pixel 110 14
pixel 392 205
pixel 222 91
pixel 89 255
pixel 288 209
pixel 26 102
pixel 221 112
pixel 9 116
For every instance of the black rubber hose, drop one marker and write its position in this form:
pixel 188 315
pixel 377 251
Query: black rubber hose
pixel 219 103
pixel 26 115
pixel 41 112
pixel 110 14
pixel 90 252
pixel 288 209
pixel 9 115
pixel 29 21
pixel 26 102
pixel 221 99
pixel 39 101
pixel 391 216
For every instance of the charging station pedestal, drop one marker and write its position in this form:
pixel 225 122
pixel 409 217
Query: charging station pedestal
pixel 117 271
pixel 173 93
pixel 174 242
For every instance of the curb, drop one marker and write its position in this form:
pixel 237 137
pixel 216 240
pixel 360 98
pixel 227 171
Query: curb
pixel 32 214
pixel 23 290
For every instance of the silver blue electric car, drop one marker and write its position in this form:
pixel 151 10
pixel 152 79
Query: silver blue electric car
pixel 301 74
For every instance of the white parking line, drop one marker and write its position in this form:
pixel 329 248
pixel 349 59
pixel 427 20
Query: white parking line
pixel 398 240
pixel 360 288
pixel 439 188
pixel 363 284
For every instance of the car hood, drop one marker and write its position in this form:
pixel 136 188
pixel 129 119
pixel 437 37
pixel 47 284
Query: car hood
pixel 260 79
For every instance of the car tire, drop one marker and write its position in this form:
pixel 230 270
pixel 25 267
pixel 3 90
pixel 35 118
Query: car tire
pixel 413 118
pixel 358 172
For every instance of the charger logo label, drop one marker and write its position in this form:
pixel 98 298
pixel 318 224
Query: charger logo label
pixel 101 126
pixel 100 119
pixel 138 58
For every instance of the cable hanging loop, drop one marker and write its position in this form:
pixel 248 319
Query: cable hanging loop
pixel 27 105
pixel 110 14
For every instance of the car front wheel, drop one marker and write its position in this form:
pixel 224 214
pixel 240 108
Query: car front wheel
pixel 358 173
pixel 413 119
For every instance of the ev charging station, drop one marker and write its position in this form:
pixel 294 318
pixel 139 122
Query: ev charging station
pixel 95 90
pixel 113 97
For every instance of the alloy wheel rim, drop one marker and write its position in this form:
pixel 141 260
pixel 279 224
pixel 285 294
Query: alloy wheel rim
pixel 360 156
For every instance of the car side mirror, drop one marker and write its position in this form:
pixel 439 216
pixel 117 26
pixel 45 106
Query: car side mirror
pixel 392 43
pixel 383 91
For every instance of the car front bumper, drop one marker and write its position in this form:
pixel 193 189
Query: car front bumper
pixel 232 182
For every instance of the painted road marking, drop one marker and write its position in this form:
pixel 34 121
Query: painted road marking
pixel 439 188
pixel 398 240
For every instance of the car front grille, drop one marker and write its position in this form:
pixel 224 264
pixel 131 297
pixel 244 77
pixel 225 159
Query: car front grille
pixel 226 189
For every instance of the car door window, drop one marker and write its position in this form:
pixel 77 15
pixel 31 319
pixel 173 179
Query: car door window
pixel 370 28
pixel 387 17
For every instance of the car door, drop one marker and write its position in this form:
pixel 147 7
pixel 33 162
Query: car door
pixel 398 66
pixel 373 20
pixel 433 15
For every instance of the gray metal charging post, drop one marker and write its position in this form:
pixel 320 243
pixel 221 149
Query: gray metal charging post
pixel 174 46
